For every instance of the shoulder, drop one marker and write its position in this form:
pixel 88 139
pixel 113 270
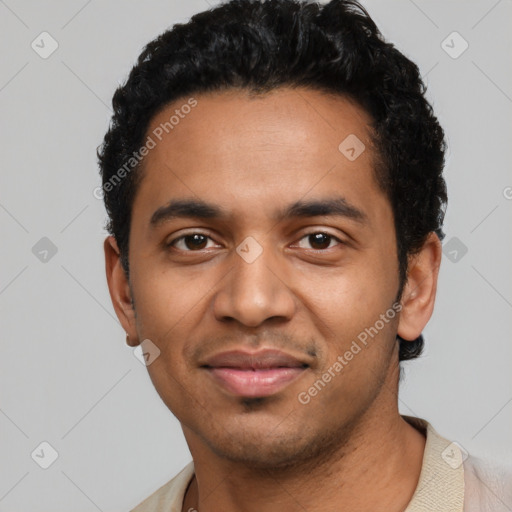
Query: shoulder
pixel 488 486
pixel 169 497
pixel 458 481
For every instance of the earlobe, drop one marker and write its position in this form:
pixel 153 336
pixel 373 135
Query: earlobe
pixel 119 289
pixel 419 293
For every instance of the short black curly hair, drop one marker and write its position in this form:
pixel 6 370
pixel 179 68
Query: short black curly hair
pixel 260 45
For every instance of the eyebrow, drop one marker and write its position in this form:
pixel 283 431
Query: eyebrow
pixel 198 209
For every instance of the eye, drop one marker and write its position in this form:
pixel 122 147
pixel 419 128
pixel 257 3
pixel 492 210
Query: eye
pixel 319 241
pixel 190 242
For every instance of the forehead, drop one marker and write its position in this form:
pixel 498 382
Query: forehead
pixel 255 152
pixel 302 121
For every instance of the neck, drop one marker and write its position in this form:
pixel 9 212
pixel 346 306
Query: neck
pixel 376 469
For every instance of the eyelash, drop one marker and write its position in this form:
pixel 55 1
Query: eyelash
pixel 306 235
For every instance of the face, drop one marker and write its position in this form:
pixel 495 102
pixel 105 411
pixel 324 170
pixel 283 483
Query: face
pixel 260 255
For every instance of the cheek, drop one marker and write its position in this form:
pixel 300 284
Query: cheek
pixel 347 300
pixel 359 351
pixel 167 301
pixel 175 386
pixel 358 343
pixel 170 306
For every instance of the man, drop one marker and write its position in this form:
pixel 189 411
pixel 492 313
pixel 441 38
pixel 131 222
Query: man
pixel 273 178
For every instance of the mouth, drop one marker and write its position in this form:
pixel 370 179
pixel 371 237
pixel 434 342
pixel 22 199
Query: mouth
pixel 254 375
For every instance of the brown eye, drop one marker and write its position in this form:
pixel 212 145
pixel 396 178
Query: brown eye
pixel 188 243
pixel 318 241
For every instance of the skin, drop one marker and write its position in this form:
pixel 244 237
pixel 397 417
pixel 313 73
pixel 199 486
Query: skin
pixel 254 156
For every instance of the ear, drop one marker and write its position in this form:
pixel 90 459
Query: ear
pixel 119 289
pixel 420 290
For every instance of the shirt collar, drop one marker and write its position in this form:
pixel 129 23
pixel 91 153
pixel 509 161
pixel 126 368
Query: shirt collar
pixel 441 483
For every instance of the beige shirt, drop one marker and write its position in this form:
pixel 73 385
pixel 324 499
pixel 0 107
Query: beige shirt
pixel 450 481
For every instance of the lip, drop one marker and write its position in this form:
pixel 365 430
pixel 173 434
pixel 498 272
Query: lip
pixel 254 374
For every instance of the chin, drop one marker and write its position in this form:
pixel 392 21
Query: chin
pixel 279 448
pixel 266 454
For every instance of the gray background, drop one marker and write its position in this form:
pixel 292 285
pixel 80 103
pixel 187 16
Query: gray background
pixel 66 375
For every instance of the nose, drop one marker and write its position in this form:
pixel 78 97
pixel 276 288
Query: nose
pixel 254 291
